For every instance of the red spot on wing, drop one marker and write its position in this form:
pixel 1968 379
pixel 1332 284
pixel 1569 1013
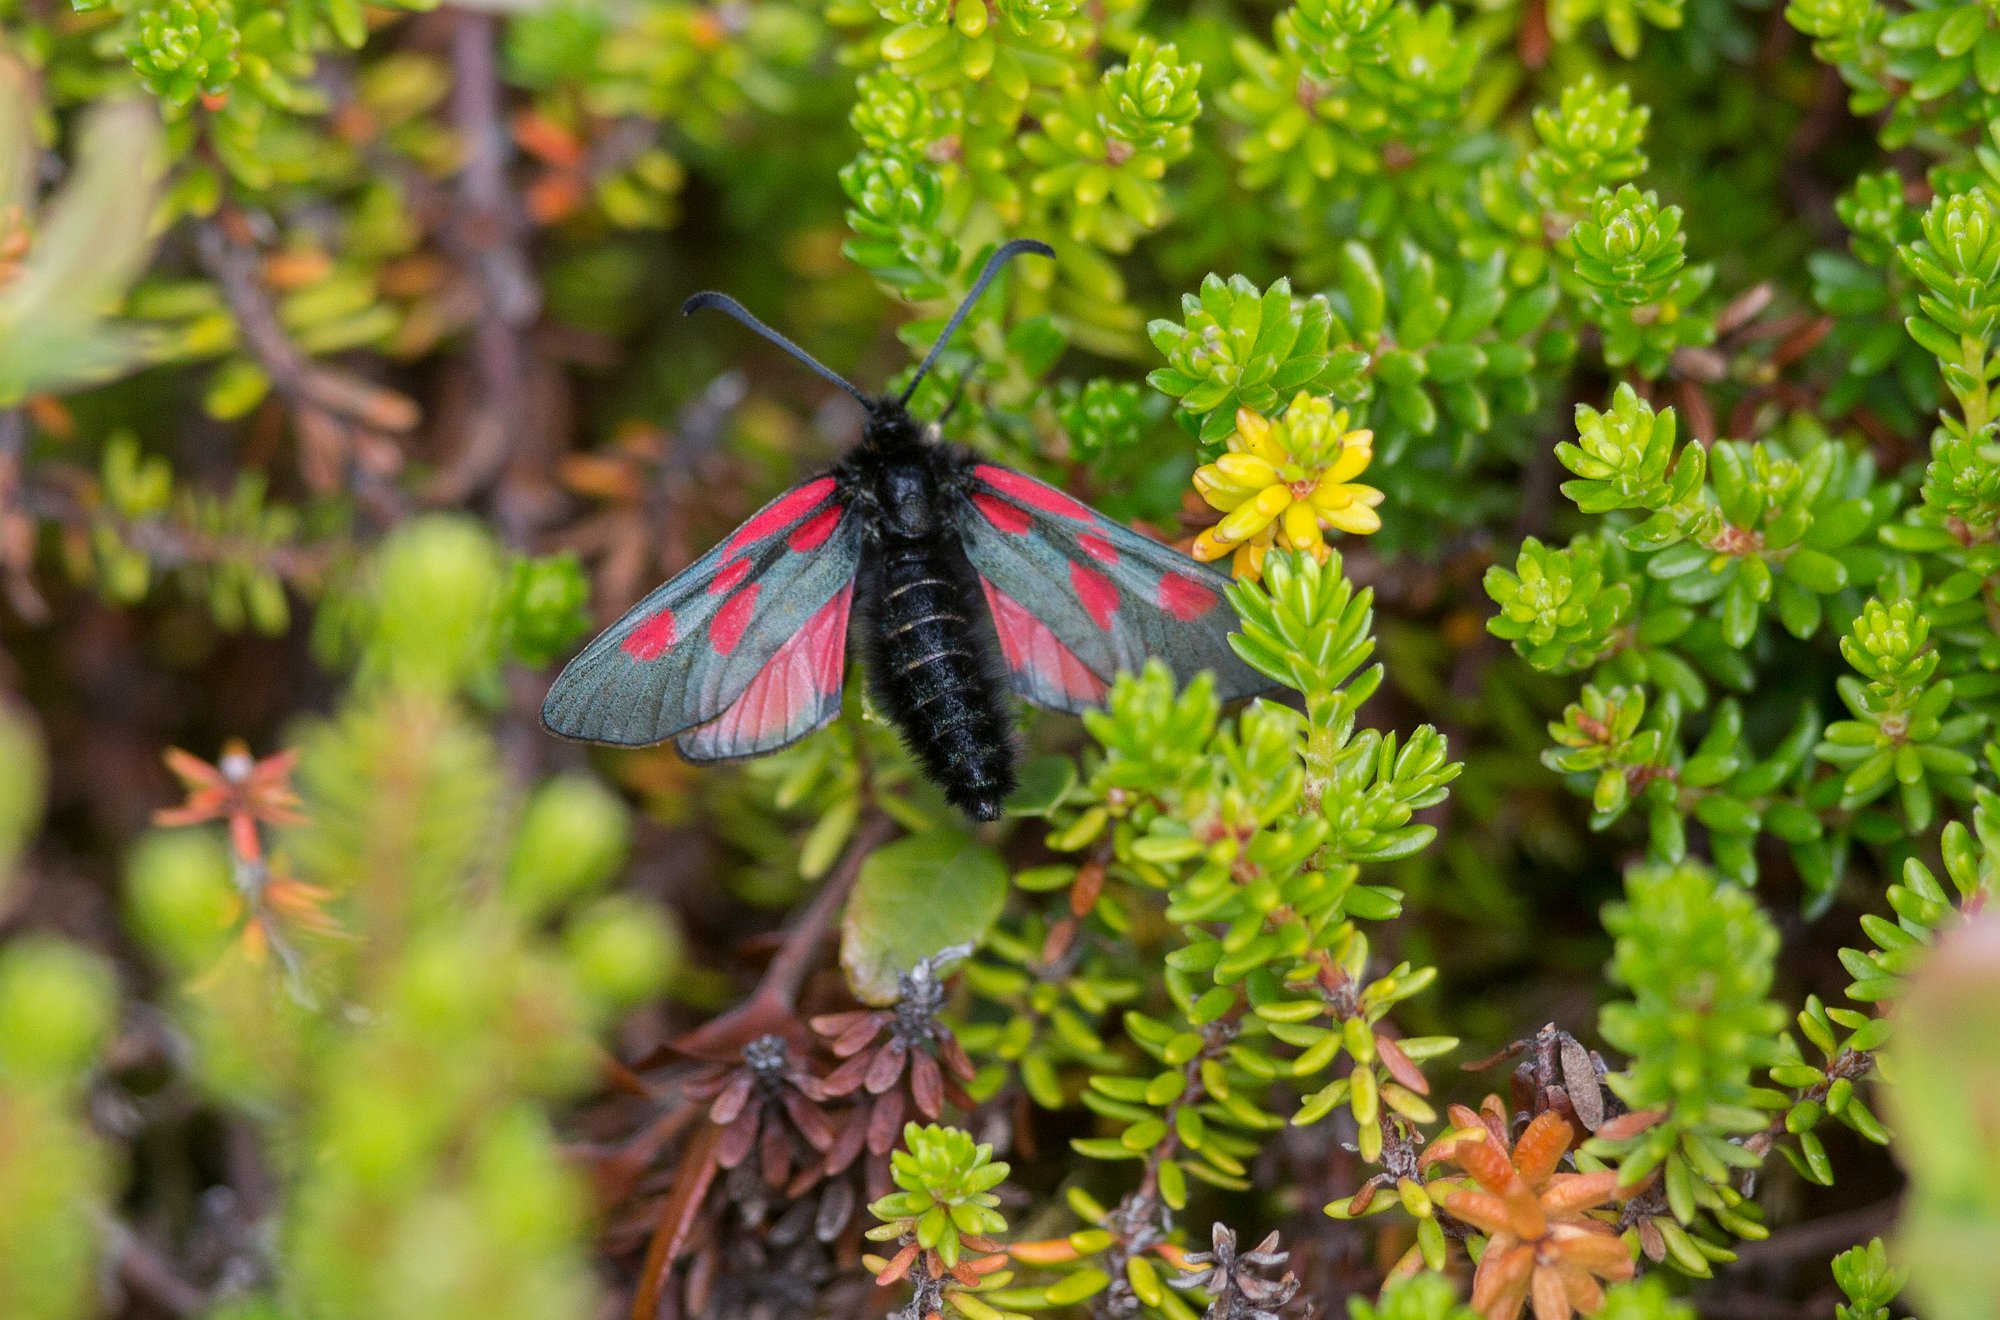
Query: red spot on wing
pixel 651 639
pixel 779 513
pixel 789 693
pixel 813 532
pixel 730 577
pixel 1096 593
pixel 1030 648
pixel 1098 548
pixel 726 629
pixel 1028 491
pixel 1003 515
pixel 1185 598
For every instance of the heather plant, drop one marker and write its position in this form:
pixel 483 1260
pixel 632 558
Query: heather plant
pixel 1591 404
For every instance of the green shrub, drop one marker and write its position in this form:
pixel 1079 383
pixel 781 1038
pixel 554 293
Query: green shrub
pixel 1593 403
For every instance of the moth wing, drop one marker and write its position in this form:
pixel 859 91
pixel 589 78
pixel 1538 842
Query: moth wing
pixel 742 652
pixel 796 691
pixel 1077 598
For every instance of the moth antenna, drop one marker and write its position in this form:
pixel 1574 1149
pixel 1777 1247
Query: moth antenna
pixel 722 302
pixel 1006 253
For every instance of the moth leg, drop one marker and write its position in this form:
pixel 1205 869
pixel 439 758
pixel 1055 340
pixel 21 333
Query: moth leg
pixel 957 395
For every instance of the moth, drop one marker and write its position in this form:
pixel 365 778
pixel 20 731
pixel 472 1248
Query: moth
pixel 960 580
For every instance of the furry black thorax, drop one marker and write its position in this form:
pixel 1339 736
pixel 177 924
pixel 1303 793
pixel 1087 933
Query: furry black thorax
pixel 902 475
pixel 933 660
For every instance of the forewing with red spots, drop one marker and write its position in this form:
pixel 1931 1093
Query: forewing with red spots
pixel 739 654
pixel 1077 599
pixel 796 691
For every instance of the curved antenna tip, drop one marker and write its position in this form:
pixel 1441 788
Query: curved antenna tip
pixel 1001 256
pixel 722 302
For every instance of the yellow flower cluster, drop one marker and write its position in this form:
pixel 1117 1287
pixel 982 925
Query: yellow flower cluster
pixel 1285 481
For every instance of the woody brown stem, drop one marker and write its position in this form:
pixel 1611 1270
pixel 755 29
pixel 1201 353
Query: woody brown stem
pixel 235 263
pixel 770 1007
pixel 487 238
pixel 149 1274
pixel 168 545
pixel 1848 1065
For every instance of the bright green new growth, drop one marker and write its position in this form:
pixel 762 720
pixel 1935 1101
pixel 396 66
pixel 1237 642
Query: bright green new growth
pixel 1899 737
pixel 1868 1280
pixel 1256 830
pixel 1644 1299
pixel 1425 1297
pixel 1556 606
pixel 1236 347
pixel 1629 249
pixel 1696 956
pixel 57 1009
pixel 947 1193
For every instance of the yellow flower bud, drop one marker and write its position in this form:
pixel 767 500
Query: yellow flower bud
pixel 1356 518
pixel 1301 526
pixel 1206 548
pixel 1273 500
pixel 1251 425
pixel 1254 516
pixel 1245 470
pixel 1255 484
pixel 1219 492
pixel 1260 439
pixel 1329 495
pixel 1353 460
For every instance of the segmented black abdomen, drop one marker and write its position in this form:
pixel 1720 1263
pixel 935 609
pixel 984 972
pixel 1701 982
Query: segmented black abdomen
pixel 933 675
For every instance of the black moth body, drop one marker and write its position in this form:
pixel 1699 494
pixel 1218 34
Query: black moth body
pixel 965 583
pixel 934 665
